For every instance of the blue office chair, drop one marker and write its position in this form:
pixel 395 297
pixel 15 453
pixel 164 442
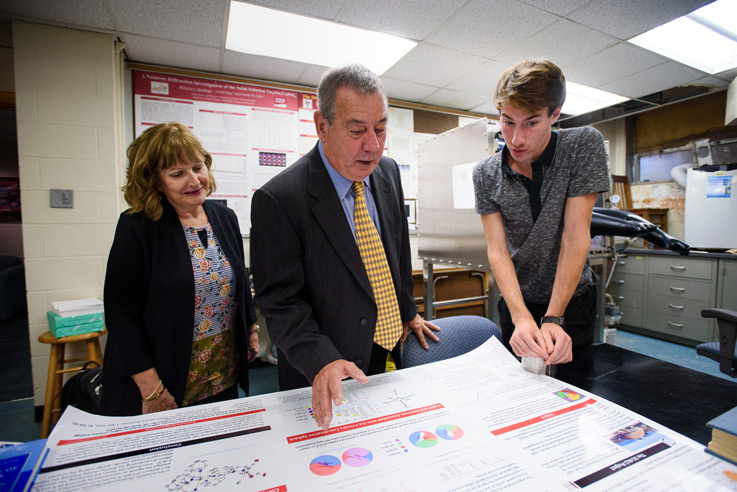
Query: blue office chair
pixel 458 335
pixel 722 351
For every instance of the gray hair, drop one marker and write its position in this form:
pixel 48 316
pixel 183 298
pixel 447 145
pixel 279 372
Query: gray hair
pixel 356 77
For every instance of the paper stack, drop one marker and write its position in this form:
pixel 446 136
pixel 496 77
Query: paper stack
pixel 76 317
pixel 77 307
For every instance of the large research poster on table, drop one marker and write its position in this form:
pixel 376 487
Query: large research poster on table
pixel 252 132
pixel 478 422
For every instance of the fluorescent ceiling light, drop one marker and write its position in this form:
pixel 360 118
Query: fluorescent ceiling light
pixel 266 32
pixel 721 15
pixel 581 99
pixel 705 39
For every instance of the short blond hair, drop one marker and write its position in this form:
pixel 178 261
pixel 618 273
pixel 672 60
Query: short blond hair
pixel 532 85
pixel 160 147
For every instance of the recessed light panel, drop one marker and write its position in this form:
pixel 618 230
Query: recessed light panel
pixel 267 32
pixel 706 39
pixel 581 99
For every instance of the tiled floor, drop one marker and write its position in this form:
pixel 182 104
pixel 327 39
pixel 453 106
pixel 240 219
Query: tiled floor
pixel 671 352
pixel 16 417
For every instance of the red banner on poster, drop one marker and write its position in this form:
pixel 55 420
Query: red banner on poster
pixel 216 91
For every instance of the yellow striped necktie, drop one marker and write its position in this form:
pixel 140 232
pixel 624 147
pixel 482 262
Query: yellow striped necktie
pixel 389 323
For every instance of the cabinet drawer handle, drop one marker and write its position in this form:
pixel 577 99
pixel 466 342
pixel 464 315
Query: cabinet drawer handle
pixel 618 281
pixel 677 325
pixel 620 298
pixel 677 289
pixel 677 267
pixel 674 306
pixel 621 262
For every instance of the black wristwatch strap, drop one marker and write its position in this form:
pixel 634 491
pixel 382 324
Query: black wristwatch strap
pixel 558 320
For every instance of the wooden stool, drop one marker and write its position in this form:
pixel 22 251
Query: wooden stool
pixel 52 403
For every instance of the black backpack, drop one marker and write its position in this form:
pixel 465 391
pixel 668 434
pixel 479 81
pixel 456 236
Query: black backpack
pixel 84 389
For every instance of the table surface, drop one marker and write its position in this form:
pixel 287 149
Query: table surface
pixel 675 396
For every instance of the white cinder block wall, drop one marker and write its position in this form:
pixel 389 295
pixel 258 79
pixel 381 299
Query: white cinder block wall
pixel 67 94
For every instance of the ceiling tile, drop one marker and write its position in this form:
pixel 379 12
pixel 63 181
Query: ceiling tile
pixel 433 65
pixel 162 52
pixel 562 42
pixel 413 19
pixel 72 13
pixel 728 75
pixel 481 80
pixel 613 63
pixel 261 67
pixel 324 9
pixel 557 7
pixel 488 27
pixel 624 19
pixel 406 91
pixel 465 44
pixel 311 75
pixel 664 76
pixel 486 108
pixel 453 99
pixel 200 23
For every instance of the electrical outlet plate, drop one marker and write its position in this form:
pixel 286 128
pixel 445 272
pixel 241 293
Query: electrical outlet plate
pixel 62 198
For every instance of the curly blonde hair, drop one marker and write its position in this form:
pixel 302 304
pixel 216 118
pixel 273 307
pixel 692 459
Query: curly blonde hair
pixel 160 147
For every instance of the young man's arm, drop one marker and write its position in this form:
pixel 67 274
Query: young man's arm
pixel 574 249
pixel 527 340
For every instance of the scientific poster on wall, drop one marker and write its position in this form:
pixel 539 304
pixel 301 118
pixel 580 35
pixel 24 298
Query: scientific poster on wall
pixel 307 131
pixel 478 422
pixel 252 132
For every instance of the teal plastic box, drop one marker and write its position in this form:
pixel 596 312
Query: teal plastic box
pixel 75 325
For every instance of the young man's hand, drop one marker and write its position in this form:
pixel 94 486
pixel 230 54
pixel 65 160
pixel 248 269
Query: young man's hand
pixel 559 343
pixel 528 341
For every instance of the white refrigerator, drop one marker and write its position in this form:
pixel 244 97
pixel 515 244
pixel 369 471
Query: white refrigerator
pixel 711 208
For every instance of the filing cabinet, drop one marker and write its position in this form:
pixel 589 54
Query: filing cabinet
pixel 678 288
pixel 727 284
pixel 628 288
pixel 662 295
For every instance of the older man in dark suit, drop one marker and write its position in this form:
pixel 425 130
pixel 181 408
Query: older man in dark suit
pixel 330 248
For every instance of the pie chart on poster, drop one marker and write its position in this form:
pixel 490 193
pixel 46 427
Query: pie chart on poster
pixel 449 432
pixel 357 457
pixel 325 465
pixel 423 439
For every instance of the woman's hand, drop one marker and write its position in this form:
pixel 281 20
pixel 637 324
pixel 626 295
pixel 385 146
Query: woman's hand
pixel 154 396
pixel 162 402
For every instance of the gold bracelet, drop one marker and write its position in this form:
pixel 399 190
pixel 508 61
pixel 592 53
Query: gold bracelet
pixel 153 395
pixel 254 330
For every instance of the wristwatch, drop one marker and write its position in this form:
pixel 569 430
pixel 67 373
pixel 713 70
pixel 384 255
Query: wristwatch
pixel 558 320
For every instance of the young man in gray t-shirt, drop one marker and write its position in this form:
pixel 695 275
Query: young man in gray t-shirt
pixel 535 199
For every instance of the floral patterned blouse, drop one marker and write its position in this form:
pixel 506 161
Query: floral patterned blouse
pixel 212 367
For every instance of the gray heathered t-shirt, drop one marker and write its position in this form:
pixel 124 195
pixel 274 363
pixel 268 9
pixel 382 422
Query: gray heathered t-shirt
pixel 579 167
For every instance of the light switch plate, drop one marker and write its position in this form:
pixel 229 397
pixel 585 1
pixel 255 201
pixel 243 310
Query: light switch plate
pixel 62 198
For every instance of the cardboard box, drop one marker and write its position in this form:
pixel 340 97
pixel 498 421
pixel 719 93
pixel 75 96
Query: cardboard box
pixel 75 325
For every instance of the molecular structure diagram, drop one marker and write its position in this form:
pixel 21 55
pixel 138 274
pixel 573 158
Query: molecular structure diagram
pixel 199 475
